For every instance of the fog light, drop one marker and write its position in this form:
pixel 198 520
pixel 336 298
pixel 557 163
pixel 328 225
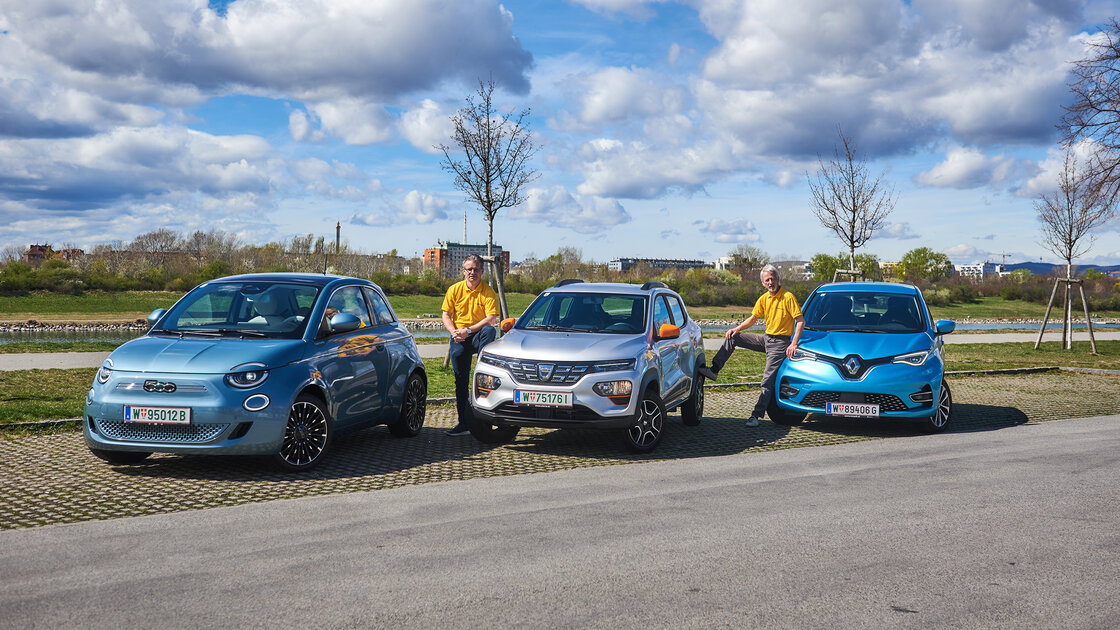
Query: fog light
pixel 613 388
pixel 788 392
pixel 484 384
pixel 256 402
pixel 923 397
pixel 89 396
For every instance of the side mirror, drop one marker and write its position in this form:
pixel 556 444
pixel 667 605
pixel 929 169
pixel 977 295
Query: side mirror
pixel 344 322
pixel 668 331
pixel 507 324
pixel 155 315
pixel 944 326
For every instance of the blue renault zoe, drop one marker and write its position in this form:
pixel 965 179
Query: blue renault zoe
pixel 869 350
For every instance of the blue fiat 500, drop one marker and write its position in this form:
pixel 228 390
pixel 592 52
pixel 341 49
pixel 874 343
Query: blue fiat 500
pixel 869 350
pixel 259 364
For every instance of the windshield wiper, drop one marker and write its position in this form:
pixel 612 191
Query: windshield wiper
pixel 554 328
pixel 196 331
pixel 238 331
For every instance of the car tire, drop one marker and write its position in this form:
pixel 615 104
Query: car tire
pixel 782 416
pixel 490 433
pixel 693 409
pixel 307 435
pixel 649 424
pixel 414 407
pixel 120 457
pixel 943 412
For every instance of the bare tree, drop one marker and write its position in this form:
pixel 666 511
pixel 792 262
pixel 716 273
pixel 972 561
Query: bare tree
pixel 847 200
pixel 497 147
pixel 747 258
pixel 1095 112
pixel 1070 213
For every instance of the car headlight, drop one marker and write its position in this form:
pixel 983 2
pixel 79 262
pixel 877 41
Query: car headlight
pixel 613 388
pixel 105 372
pixel 492 359
pixel 803 355
pixel 485 381
pixel 912 358
pixel 247 375
pixel 613 366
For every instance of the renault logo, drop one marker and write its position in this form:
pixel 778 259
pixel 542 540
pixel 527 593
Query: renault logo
pixel 852 365
pixel 159 387
pixel 544 370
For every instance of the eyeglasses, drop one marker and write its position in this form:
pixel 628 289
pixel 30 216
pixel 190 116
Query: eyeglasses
pixel 471 269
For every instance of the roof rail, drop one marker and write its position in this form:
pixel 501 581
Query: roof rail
pixel 566 282
pixel 654 284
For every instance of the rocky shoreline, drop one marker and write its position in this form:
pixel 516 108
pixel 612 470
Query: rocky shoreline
pixel 33 326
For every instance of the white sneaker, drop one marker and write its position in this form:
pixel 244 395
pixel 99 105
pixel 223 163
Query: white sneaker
pixel 752 421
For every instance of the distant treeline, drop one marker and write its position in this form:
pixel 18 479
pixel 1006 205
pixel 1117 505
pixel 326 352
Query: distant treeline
pixel 164 260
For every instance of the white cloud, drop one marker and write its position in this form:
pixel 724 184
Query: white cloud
pixel 734 231
pixel 963 254
pixel 639 170
pixel 970 168
pixel 427 126
pixel 899 231
pixel 557 207
pixel 615 94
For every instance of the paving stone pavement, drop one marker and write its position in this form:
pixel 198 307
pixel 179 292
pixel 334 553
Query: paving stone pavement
pixel 53 479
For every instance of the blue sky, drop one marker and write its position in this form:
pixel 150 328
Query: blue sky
pixel 667 129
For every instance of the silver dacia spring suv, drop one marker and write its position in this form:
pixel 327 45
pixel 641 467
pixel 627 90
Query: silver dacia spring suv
pixel 592 355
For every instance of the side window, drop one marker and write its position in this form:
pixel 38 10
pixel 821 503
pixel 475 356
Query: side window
pixel 380 307
pixel 348 300
pixel 660 314
pixel 678 310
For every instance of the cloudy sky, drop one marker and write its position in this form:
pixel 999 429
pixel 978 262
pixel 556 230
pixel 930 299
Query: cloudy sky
pixel 667 129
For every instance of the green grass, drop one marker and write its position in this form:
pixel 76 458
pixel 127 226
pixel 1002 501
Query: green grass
pixel 90 306
pixel 31 395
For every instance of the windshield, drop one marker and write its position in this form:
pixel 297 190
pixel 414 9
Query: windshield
pixel 865 311
pixel 586 312
pixel 252 309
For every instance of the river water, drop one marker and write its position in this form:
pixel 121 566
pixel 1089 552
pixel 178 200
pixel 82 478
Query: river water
pixel 121 336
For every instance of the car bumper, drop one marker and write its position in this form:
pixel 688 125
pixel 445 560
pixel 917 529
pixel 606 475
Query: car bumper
pixel 589 410
pixel 220 422
pixel 901 391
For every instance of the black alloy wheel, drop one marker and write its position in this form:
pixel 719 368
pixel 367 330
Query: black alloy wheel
pixel 414 407
pixel 307 435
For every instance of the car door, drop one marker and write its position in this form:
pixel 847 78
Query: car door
pixel 687 346
pixel 672 353
pixel 666 351
pixel 353 363
pixel 395 343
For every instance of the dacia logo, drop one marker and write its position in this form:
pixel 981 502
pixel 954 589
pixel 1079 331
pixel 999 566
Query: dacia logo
pixel 544 370
pixel 852 365
pixel 159 387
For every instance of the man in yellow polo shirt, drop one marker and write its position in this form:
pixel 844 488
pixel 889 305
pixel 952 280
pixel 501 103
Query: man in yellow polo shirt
pixel 779 309
pixel 470 310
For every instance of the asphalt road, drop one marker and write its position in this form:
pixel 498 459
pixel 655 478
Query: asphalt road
pixel 49 360
pixel 1010 528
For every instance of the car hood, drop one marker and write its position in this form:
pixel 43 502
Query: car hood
pixel 866 345
pixel 202 356
pixel 567 346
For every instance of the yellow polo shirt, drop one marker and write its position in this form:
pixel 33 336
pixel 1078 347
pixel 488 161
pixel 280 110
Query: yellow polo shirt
pixel 778 311
pixel 469 307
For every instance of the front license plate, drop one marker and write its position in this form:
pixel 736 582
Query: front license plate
pixel 852 409
pixel 158 415
pixel 543 399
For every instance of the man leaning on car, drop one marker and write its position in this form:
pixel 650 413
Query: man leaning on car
pixel 470 310
pixel 784 322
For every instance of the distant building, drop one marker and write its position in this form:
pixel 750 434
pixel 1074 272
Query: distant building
pixel 626 264
pixel 889 269
pixel 38 254
pixel 978 271
pixel 447 258
pixel 794 269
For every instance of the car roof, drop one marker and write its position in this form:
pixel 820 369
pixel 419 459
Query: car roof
pixel 869 287
pixel 606 287
pixel 309 279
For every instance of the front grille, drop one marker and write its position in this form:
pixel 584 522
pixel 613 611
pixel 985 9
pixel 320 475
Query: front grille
pixel 886 402
pixel 563 372
pixel 170 433
pixel 576 413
